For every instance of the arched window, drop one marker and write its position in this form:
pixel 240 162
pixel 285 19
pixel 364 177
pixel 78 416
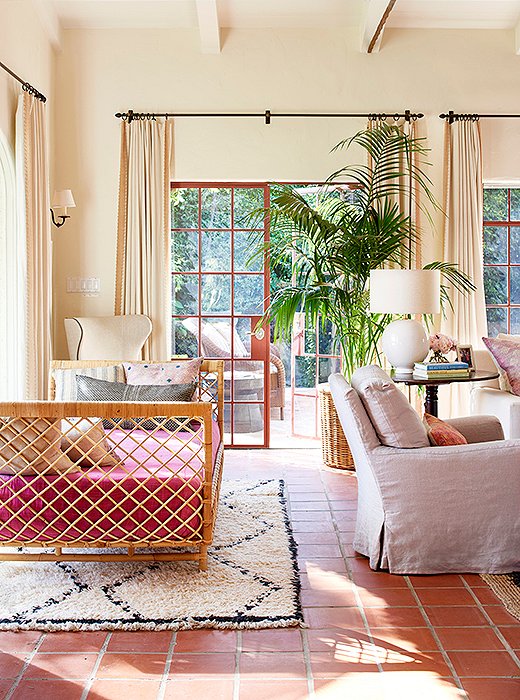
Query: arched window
pixel 12 259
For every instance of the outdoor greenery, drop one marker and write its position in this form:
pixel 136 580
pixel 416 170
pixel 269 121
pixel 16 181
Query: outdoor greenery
pixel 335 243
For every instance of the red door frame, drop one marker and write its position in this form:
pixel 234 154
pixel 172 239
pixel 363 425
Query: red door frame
pixel 259 347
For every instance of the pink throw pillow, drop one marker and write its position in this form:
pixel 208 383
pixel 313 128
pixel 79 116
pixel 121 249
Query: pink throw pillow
pixel 507 356
pixel 441 433
pixel 174 372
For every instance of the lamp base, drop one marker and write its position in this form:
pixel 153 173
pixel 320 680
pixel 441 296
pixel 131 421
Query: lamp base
pixel 404 343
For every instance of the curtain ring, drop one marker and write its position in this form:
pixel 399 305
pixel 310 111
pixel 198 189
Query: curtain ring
pixel 396 117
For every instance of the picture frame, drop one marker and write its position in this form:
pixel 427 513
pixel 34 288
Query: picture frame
pixel 465 354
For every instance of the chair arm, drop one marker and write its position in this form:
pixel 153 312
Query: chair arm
pixel 478 428
pixel 501 404
pixel 277 362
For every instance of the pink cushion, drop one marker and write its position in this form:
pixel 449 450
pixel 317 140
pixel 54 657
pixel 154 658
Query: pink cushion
pixel 507 356
pixel 441 433
pixel 175 372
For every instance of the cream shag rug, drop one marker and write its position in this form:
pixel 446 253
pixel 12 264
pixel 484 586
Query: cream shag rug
pixel 251 581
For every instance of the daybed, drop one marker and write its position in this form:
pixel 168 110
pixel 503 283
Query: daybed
pixel 156 496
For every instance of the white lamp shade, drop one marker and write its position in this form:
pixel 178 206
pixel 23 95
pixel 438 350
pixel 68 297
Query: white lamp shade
pixel 63 199
pixel 405 291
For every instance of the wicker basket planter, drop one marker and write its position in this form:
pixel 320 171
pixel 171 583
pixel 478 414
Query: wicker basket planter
pixel 334 445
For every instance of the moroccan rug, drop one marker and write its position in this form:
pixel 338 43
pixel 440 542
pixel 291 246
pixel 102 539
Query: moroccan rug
pixel 251 581
pixel 507 588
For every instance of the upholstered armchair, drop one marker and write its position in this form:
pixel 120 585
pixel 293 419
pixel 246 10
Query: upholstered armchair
pixel 107 337
pixel 428 510
pixel 490 397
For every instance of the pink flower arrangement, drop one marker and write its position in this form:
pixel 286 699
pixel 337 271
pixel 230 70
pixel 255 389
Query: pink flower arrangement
pixel 441 343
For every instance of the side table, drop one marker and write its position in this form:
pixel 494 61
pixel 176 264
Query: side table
pixel 432 385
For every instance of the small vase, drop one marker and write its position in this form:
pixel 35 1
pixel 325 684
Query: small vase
pixel 438 357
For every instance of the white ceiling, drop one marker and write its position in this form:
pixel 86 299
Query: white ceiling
pixel 272 14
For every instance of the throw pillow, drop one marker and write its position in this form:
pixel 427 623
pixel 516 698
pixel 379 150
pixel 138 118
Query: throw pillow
pixel 395 421
pixel 507 355
pixel 157 373
pixel 503 381
pixel 97 390
pixel 441 433
pixel 65 379
pixel 84 442
pixel 30 446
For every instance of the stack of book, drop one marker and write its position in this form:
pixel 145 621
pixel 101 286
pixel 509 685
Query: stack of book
pixel 441 370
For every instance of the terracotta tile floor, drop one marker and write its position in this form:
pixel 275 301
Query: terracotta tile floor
pixel 370 636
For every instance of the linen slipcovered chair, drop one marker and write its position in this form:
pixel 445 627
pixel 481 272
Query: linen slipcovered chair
pixel 107 337
pixel 429 510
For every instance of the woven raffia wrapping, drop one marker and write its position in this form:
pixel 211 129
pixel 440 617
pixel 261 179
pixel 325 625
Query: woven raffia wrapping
pixel 334 445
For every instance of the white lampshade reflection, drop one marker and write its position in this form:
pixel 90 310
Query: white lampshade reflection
pixel 63 199
pixel 405 291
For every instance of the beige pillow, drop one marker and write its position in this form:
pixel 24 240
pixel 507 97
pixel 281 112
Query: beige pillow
pixel 84 441
pixel 31 446
pixel 395 421
pixel 503 379
pixel 65 379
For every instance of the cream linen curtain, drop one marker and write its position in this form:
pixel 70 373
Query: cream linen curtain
pixel 466 322
pixel 143 261
pixel 34 168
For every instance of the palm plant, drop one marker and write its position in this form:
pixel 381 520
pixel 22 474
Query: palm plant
pixel 335 244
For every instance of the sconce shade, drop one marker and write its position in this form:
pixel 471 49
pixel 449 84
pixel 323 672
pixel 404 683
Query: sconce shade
pixel 405 291
pixel 63 199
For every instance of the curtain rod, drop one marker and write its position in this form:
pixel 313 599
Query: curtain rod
pixel 268 115
pixel 25 86
pixel 453 116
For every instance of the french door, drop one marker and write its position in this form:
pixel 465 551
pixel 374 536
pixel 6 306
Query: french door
pixel 220 289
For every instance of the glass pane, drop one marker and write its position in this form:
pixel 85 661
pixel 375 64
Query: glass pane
pixel 248 380
pixel 227 423
pixel 184 337
pixel 248 244
pixel 515 205
pixel 248 422
pixel 216 337
pixel 242 337
pixel 495 285
pixel 185 207
pixel 216 251
pixel 326 343
pixel 495 204
pixel 249 294
pixel 185 295
pixel 305 416
pixel 247 200
pixel 185 251
pixel 310 340
pixel 216 294
pixel 305 372
pixel 216 207
pixel 327 366
pixel 515 244
pixel 495 244
pixel 515 321
pixel 497 321
pixel 515 285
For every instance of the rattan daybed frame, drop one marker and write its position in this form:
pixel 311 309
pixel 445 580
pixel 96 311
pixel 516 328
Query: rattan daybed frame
pixel 196 424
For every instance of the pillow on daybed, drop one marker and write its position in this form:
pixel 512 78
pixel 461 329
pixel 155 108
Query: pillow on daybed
pixel 65 379
pixel 31 446
pixel 505 350
pixel 161 373
pixel 84 442
pixel 98 390
pixel 441 433
pixel 395 421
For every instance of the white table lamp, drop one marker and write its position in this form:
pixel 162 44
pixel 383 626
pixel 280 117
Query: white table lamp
pixel 399 291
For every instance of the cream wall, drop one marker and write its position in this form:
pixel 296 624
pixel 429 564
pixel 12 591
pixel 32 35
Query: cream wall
pixel 100 72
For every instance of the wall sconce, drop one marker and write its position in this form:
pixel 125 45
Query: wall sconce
pixel 62 199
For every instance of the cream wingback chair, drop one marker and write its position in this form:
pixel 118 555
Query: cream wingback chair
pixel 107 337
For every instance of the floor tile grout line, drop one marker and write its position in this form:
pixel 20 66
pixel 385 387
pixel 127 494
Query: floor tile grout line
pixel 507 647
pixel 167 666
pixel 27 662
pixel 354 585
pixel 236 673
pixel 433 632
pixel 89 682
pixel 307 661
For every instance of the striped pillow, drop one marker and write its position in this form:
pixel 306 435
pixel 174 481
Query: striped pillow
pixel 65 379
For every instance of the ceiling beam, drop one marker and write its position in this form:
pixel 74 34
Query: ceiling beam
pixel 376 15
pixel 49 20
pixel 209 28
